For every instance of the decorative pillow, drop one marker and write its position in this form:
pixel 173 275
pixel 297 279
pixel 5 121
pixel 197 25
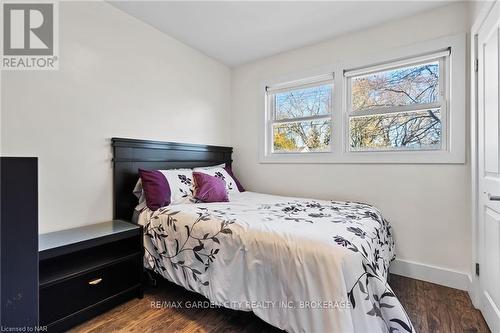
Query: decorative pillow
pixel 156 188
pixel 209 188
pixel 221 173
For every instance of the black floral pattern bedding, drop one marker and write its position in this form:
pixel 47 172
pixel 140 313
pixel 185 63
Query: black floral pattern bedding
pixel 302 265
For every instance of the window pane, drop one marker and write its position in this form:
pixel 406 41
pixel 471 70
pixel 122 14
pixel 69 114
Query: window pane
pixel 303 102
pixel 396 131
pixel 396 87
pixel 305 136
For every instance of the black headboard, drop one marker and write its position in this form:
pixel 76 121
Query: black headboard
pixel 130 154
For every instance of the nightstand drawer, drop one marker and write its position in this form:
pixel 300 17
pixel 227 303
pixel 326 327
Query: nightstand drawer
pixel 69 296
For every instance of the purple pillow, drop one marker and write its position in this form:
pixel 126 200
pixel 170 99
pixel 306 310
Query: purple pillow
pixel 209 188
pixel 230 172
pixel 156 188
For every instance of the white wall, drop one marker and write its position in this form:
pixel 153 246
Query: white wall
pixel 117 77
pixel 428 205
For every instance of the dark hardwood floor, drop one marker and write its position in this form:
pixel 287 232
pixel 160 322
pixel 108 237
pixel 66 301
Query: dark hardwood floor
pixel 434 308
pixel 431 307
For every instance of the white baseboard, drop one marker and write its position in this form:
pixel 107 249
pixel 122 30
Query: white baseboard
pixel 439 275
pixel 473 290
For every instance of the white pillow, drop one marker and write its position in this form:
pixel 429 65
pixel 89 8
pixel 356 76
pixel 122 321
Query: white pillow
pixel 220 172
pixel 181 185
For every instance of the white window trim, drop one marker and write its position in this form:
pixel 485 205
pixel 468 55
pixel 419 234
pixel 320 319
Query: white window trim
pixel 444 94
pixel 456 104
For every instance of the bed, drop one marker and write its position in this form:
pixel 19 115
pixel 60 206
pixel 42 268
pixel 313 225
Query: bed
pixel 300 264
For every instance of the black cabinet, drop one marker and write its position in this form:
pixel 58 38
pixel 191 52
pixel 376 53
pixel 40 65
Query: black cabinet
pixel 85 271
pixel 19 242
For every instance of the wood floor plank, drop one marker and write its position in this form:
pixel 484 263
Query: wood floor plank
pixel 432 308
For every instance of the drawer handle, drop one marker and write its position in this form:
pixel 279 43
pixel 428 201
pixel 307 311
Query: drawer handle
pixel 95 281
pixel 493 197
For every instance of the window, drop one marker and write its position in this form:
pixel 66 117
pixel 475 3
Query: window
pixel 403 105
pixel 398 106
pixel 300 115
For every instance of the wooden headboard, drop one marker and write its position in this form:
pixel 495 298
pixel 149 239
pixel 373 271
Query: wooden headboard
pixel 130 154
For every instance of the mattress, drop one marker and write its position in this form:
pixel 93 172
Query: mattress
pixel 302 265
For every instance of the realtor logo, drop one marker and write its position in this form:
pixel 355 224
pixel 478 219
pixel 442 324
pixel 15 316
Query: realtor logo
pixel 28 36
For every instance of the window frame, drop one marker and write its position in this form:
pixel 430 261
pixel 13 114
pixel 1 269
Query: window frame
pixel 442 57
pixel 270 95
pixel 456 133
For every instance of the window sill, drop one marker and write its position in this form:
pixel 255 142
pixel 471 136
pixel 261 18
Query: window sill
pixel 399 157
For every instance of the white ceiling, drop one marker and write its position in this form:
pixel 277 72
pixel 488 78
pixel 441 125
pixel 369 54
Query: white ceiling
pixel 236 32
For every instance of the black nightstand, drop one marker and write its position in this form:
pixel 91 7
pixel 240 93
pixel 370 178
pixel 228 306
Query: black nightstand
pixel 85 271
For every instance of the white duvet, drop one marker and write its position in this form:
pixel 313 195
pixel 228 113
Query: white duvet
pixel 301 265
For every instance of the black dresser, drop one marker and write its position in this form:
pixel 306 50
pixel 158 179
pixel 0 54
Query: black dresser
pixel 19 243
pixel 86 271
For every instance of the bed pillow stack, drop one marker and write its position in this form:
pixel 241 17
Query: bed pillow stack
pixel 160 188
